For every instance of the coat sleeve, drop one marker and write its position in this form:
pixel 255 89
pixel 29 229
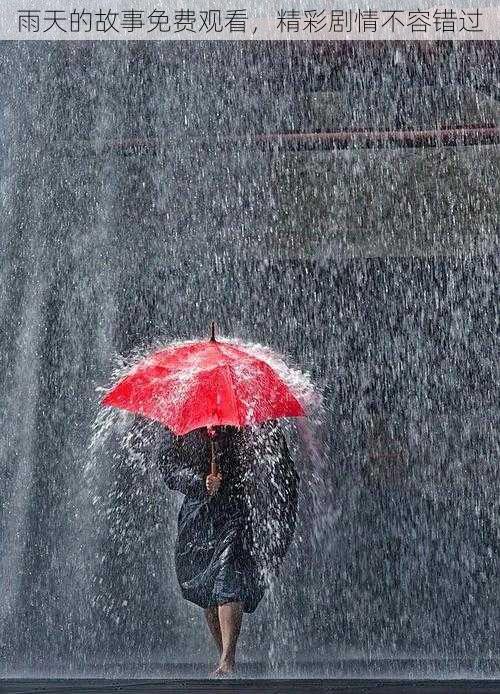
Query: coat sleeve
pixel 176 471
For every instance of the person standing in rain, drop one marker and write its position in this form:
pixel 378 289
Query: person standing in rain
pixel 233 527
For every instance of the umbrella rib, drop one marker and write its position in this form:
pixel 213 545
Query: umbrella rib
pixel 233 391
pixel 231 379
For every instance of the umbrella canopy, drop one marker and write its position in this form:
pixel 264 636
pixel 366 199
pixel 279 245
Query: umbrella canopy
pixel 204 384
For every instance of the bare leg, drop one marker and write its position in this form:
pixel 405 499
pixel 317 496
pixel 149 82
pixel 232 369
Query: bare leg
pixel 230 617
pixel 212 617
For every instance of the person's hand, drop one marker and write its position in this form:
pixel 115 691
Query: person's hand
pixel 213 483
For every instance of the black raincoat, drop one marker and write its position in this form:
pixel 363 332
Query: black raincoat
pixel 228 542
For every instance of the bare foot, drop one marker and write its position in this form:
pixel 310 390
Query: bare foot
pixel 224 669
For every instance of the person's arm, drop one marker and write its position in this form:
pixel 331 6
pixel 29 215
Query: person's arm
pixel 177 473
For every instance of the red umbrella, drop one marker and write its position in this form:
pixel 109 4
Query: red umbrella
pixel 204 384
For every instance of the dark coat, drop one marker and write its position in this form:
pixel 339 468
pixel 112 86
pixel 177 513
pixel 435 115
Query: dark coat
pixel 227 542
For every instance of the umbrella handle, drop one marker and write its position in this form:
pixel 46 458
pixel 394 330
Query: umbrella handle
pixel 215 467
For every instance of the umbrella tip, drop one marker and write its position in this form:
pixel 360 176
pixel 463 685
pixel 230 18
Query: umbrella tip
pixel 212 337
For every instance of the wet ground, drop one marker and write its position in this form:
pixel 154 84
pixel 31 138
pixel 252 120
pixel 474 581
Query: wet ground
pixel 342 675
pixel 291 686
